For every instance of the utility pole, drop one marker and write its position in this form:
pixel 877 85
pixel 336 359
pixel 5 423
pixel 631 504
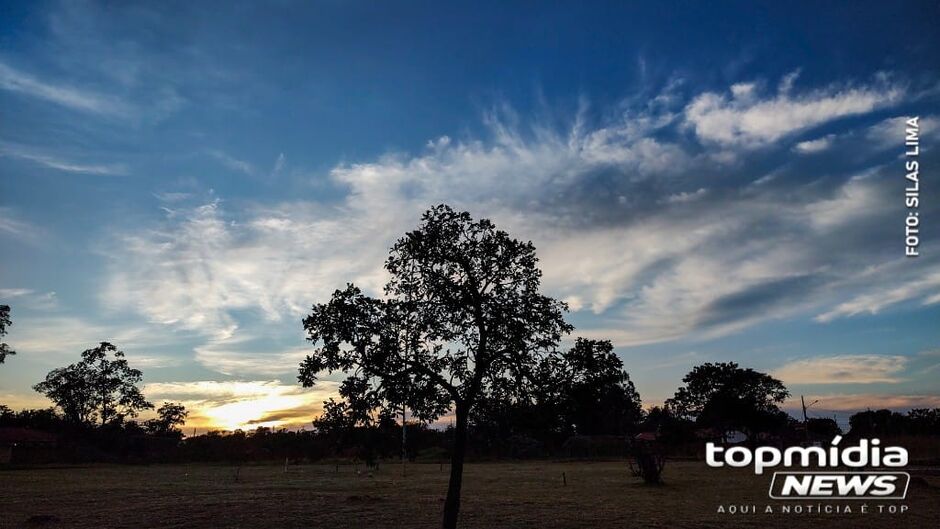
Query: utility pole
pixel 805 419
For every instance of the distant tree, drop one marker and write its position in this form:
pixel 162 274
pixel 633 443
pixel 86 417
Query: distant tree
pixel 463 309
pixel 876 423
pixel 823 426
pixel 599 396
pixel 583 390
pixel 96 390
pixel 361 405
pixel 42 419
pixel 723 395
pixel 5 322
pixel 170 416
pixel 668 427
pixel 356 420
pixel 924 421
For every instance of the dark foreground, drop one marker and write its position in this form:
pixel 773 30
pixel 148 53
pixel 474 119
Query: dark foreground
pixel 531 494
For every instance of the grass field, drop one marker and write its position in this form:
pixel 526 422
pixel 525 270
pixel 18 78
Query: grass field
pixel 529 495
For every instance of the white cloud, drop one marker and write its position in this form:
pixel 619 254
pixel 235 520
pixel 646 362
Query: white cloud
pixel 53 162
pixel 82 100
pixel 700 263
pixel 815 146
pixel 890 133
pixel 232 163
pixel 843 369
pixel 893 290
pixel 227 358
pixel 15 227
pixel 746 120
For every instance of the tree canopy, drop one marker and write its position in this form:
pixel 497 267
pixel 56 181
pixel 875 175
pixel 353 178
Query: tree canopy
pixel 583 390
pixel 170 416
pixel 5 322
pixel 724 395
pixel 97 389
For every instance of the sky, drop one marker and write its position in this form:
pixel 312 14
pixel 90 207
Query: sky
pixel 702 183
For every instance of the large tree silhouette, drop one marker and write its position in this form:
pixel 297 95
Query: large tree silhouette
pixel 463 310
pixel 5 322
pixel 724 395
pixel 96 390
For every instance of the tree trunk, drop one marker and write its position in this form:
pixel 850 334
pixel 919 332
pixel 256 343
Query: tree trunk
pixel 452 504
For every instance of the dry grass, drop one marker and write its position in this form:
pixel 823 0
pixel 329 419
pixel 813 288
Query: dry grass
pixel 528 495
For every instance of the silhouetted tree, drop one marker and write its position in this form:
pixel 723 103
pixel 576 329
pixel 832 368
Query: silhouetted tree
pixel 463 309
pixel 669 428
pixel 583 390
pixel 823 426
pixel 5 322
pixel 355 420
pixel 723 395
pixel 876 423
pixel 599 397
pixel 924 421
pixel 96 390
pixel 170 416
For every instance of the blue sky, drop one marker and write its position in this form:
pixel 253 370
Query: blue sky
pixel 703 183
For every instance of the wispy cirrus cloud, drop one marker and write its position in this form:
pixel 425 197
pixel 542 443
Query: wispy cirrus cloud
pixel 14 80
pixel 231 162
pixel 650 248
pixel 12 225
pixel 44 159
pixel 742 118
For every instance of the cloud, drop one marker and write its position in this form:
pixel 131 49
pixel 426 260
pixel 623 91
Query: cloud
pixel 906 285
pixel 199 268
pixel 29 298
pixel 232 163
pixel 619 210
pixel 844 369
pixel 52 162
pixel 814 146
pixel 7 293
pixel 227 358
pixel 889 133
pixel 11 225
pixel 14 80
pixel 279 164
pixel 229 405
pixel 744 119
pixel 861 401
pixel 52 340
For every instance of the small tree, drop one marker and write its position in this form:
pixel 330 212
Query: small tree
pixel 170 416
pixel 96 390
pixel 723 395
pixel 5 322
pixel 463 310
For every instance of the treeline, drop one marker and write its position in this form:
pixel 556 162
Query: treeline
pixel 580 402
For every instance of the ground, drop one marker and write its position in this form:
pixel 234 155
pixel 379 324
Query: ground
pixel 526 495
